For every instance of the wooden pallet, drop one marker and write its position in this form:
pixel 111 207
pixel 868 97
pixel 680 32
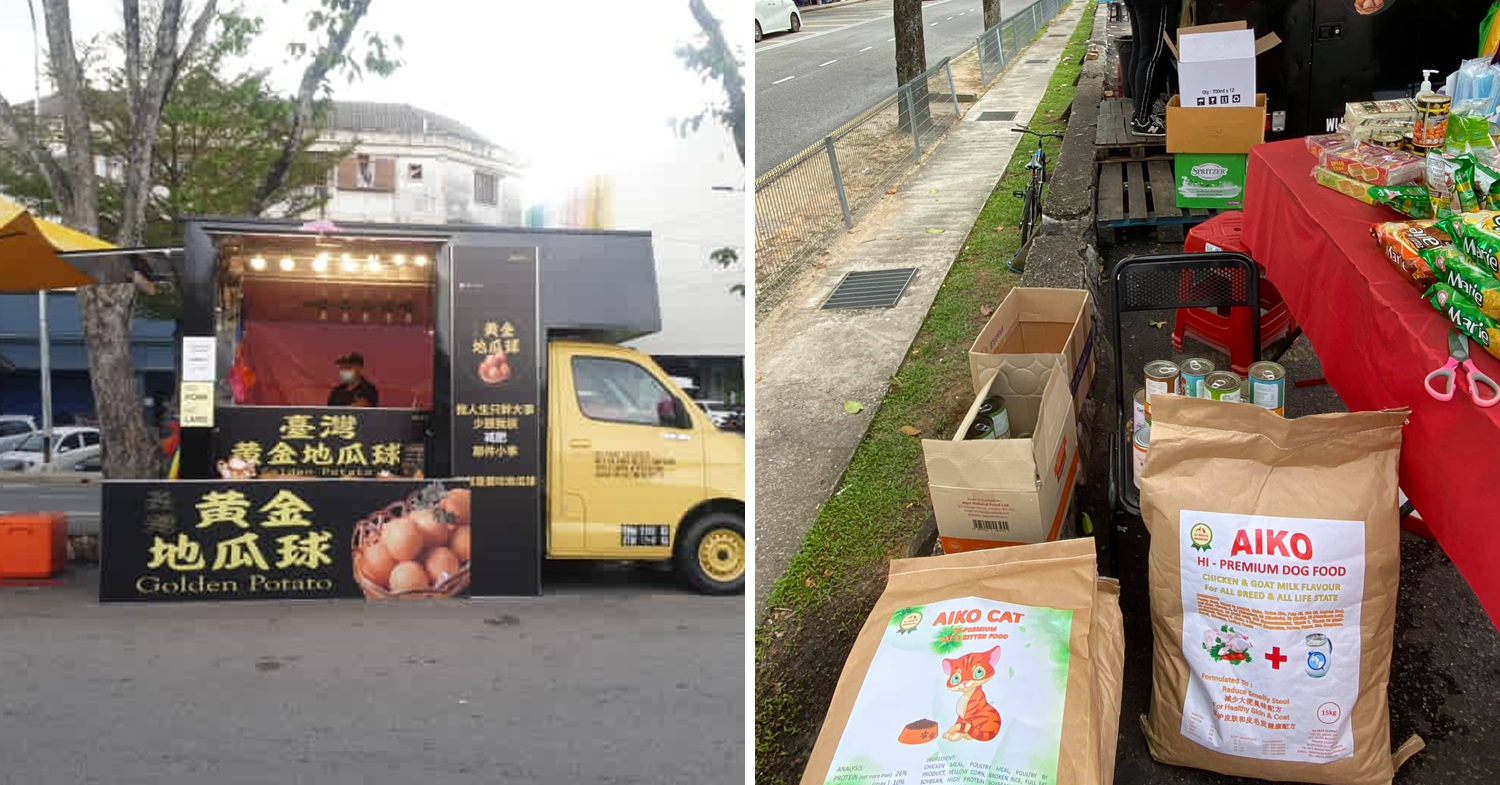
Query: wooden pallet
pixel 1140 194
pixel 1114 141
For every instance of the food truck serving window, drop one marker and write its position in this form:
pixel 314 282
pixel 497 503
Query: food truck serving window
pixel 623 392
pixel 325 354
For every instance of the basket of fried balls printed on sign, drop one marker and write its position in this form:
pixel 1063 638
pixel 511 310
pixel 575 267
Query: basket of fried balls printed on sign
pixel 415 548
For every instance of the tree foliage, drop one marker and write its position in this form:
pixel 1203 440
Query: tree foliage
pixel 125 113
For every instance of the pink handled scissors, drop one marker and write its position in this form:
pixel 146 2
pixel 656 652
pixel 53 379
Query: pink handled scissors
pixel 1458 354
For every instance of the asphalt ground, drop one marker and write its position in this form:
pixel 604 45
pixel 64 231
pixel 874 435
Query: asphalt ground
pixel 842 63
pixel 615 676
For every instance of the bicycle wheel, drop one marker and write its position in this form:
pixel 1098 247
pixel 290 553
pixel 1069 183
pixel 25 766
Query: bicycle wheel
pixel 1031 212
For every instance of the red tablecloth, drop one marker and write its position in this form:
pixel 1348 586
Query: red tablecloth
pixel 1377 340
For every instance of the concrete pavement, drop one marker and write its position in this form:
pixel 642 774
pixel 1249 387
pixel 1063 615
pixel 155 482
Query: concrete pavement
pixel 809 361
pixel 616 676
pixel 843 62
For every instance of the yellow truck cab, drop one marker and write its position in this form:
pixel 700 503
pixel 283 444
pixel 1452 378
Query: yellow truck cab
pixel 637 471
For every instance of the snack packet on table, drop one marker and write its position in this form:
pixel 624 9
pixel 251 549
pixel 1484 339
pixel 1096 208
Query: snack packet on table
pixel 1409 200
pixel 1404 243
pixel 1477 234
pixel 1318 145
pixel 1486 185
pixel 1456 270
pixel 1450 184
pixel 1348 186
pixel 1373 164
pixel 1466 316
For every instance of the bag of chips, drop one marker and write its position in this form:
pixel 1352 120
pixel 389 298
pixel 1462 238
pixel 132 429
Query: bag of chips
pixel 1404 244
pixel 1410 200
pixel 1486 185
pixel 1478 284
pixel 1466 316
pixel 1477 235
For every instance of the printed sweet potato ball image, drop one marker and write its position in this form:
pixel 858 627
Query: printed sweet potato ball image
pixel 495 369
pixel 415 548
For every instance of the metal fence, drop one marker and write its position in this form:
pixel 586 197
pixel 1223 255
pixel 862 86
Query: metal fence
pixel 999 43
pixel 805 203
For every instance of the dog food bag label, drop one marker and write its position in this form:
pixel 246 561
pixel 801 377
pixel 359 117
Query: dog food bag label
pixel 962 690
pixel 1270 630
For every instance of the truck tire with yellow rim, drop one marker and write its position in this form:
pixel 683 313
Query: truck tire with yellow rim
pixel 711 554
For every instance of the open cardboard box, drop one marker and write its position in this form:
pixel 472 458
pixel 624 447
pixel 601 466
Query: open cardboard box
pixel 1216 64
pixel 1032 329
pixel 995 492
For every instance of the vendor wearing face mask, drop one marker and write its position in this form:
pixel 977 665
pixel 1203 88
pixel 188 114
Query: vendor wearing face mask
pixel 353 388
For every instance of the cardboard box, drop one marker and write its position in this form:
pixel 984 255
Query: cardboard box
pixel 1032 329
pixel 1226 129
pixel 1210 180
pixel 1216 64
pixel 996 492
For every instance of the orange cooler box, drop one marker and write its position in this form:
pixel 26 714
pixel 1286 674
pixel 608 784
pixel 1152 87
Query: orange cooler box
pixel 33 544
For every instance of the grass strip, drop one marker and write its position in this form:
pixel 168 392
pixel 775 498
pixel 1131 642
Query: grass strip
pixel 817 607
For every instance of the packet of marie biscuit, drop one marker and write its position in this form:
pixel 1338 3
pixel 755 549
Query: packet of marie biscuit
pixel 1453 268
pixel 1466 316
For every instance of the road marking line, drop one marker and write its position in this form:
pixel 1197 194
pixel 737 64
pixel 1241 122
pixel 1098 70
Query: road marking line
pixel 934 24
pixel 888 40
pixel 866 49
pixel 779 81
pixel 830 62
pixel 949 19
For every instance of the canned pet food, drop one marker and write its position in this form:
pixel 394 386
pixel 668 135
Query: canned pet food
pixel 1387 140
pixel 1139 444
pixel 1141 418
pixel 981 428
pixel 1222 386
pixel 1162 377
pixel 1268 386
pixel 1432 119
pixel 993 407
pixel 1194 371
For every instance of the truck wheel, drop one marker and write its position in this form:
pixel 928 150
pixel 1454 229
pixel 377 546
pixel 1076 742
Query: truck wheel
pixel 711 554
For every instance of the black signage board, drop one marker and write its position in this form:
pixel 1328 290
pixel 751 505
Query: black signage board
pixel 186 540
pixel 495 364
pixel 306 441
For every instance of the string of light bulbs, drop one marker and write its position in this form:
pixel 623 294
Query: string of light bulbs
pixel 372 262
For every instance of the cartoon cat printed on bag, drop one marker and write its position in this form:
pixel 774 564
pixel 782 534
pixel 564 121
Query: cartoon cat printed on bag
pixel 977 719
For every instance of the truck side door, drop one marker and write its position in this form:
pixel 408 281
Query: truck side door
pixel 632 453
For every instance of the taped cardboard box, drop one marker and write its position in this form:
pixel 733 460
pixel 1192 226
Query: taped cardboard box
pixel 1030 330
pixel 994 666
pixel 1224 130
pixel 991 493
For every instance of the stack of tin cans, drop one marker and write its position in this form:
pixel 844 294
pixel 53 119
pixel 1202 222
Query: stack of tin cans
pixel 1264 386
pixel 991 422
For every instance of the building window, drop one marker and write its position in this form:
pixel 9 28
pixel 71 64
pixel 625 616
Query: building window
pixel 414 172
pixel 361 172
pixel 486 188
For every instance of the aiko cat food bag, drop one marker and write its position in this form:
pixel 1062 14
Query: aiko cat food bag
pixel 1275 553
pixel 998 666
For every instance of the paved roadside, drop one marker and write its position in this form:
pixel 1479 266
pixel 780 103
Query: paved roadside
pixel 615 676
pixel 809 362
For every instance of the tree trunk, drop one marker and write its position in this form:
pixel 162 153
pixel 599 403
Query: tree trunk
pixel 911 61
pixel 131 452
pixel 81 209
pixel 991 13
pixel 733 83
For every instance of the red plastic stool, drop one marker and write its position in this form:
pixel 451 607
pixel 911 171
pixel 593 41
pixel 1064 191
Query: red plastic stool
pixel 1228 329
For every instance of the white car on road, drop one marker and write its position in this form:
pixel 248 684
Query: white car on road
pixel 775 16
pixel 71 446
pixel 14 428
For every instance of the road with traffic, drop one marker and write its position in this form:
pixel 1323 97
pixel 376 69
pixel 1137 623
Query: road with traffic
pixel 64 493
pixel 843 62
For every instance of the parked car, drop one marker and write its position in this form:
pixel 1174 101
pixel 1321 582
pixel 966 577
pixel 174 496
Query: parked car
pixel 14 428
pixel 776 16
pixel 72 445
pixel 717 411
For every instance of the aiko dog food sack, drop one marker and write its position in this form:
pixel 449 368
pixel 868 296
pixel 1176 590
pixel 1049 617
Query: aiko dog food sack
pixel 998 666
pixel 1275 553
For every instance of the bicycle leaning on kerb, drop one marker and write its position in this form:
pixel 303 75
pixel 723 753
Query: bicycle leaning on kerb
pixel 1031 209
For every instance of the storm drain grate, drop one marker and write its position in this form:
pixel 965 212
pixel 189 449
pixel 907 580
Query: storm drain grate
pixel 1043 60
pixel 1056 35
pixel 870 289
pixel 992 116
